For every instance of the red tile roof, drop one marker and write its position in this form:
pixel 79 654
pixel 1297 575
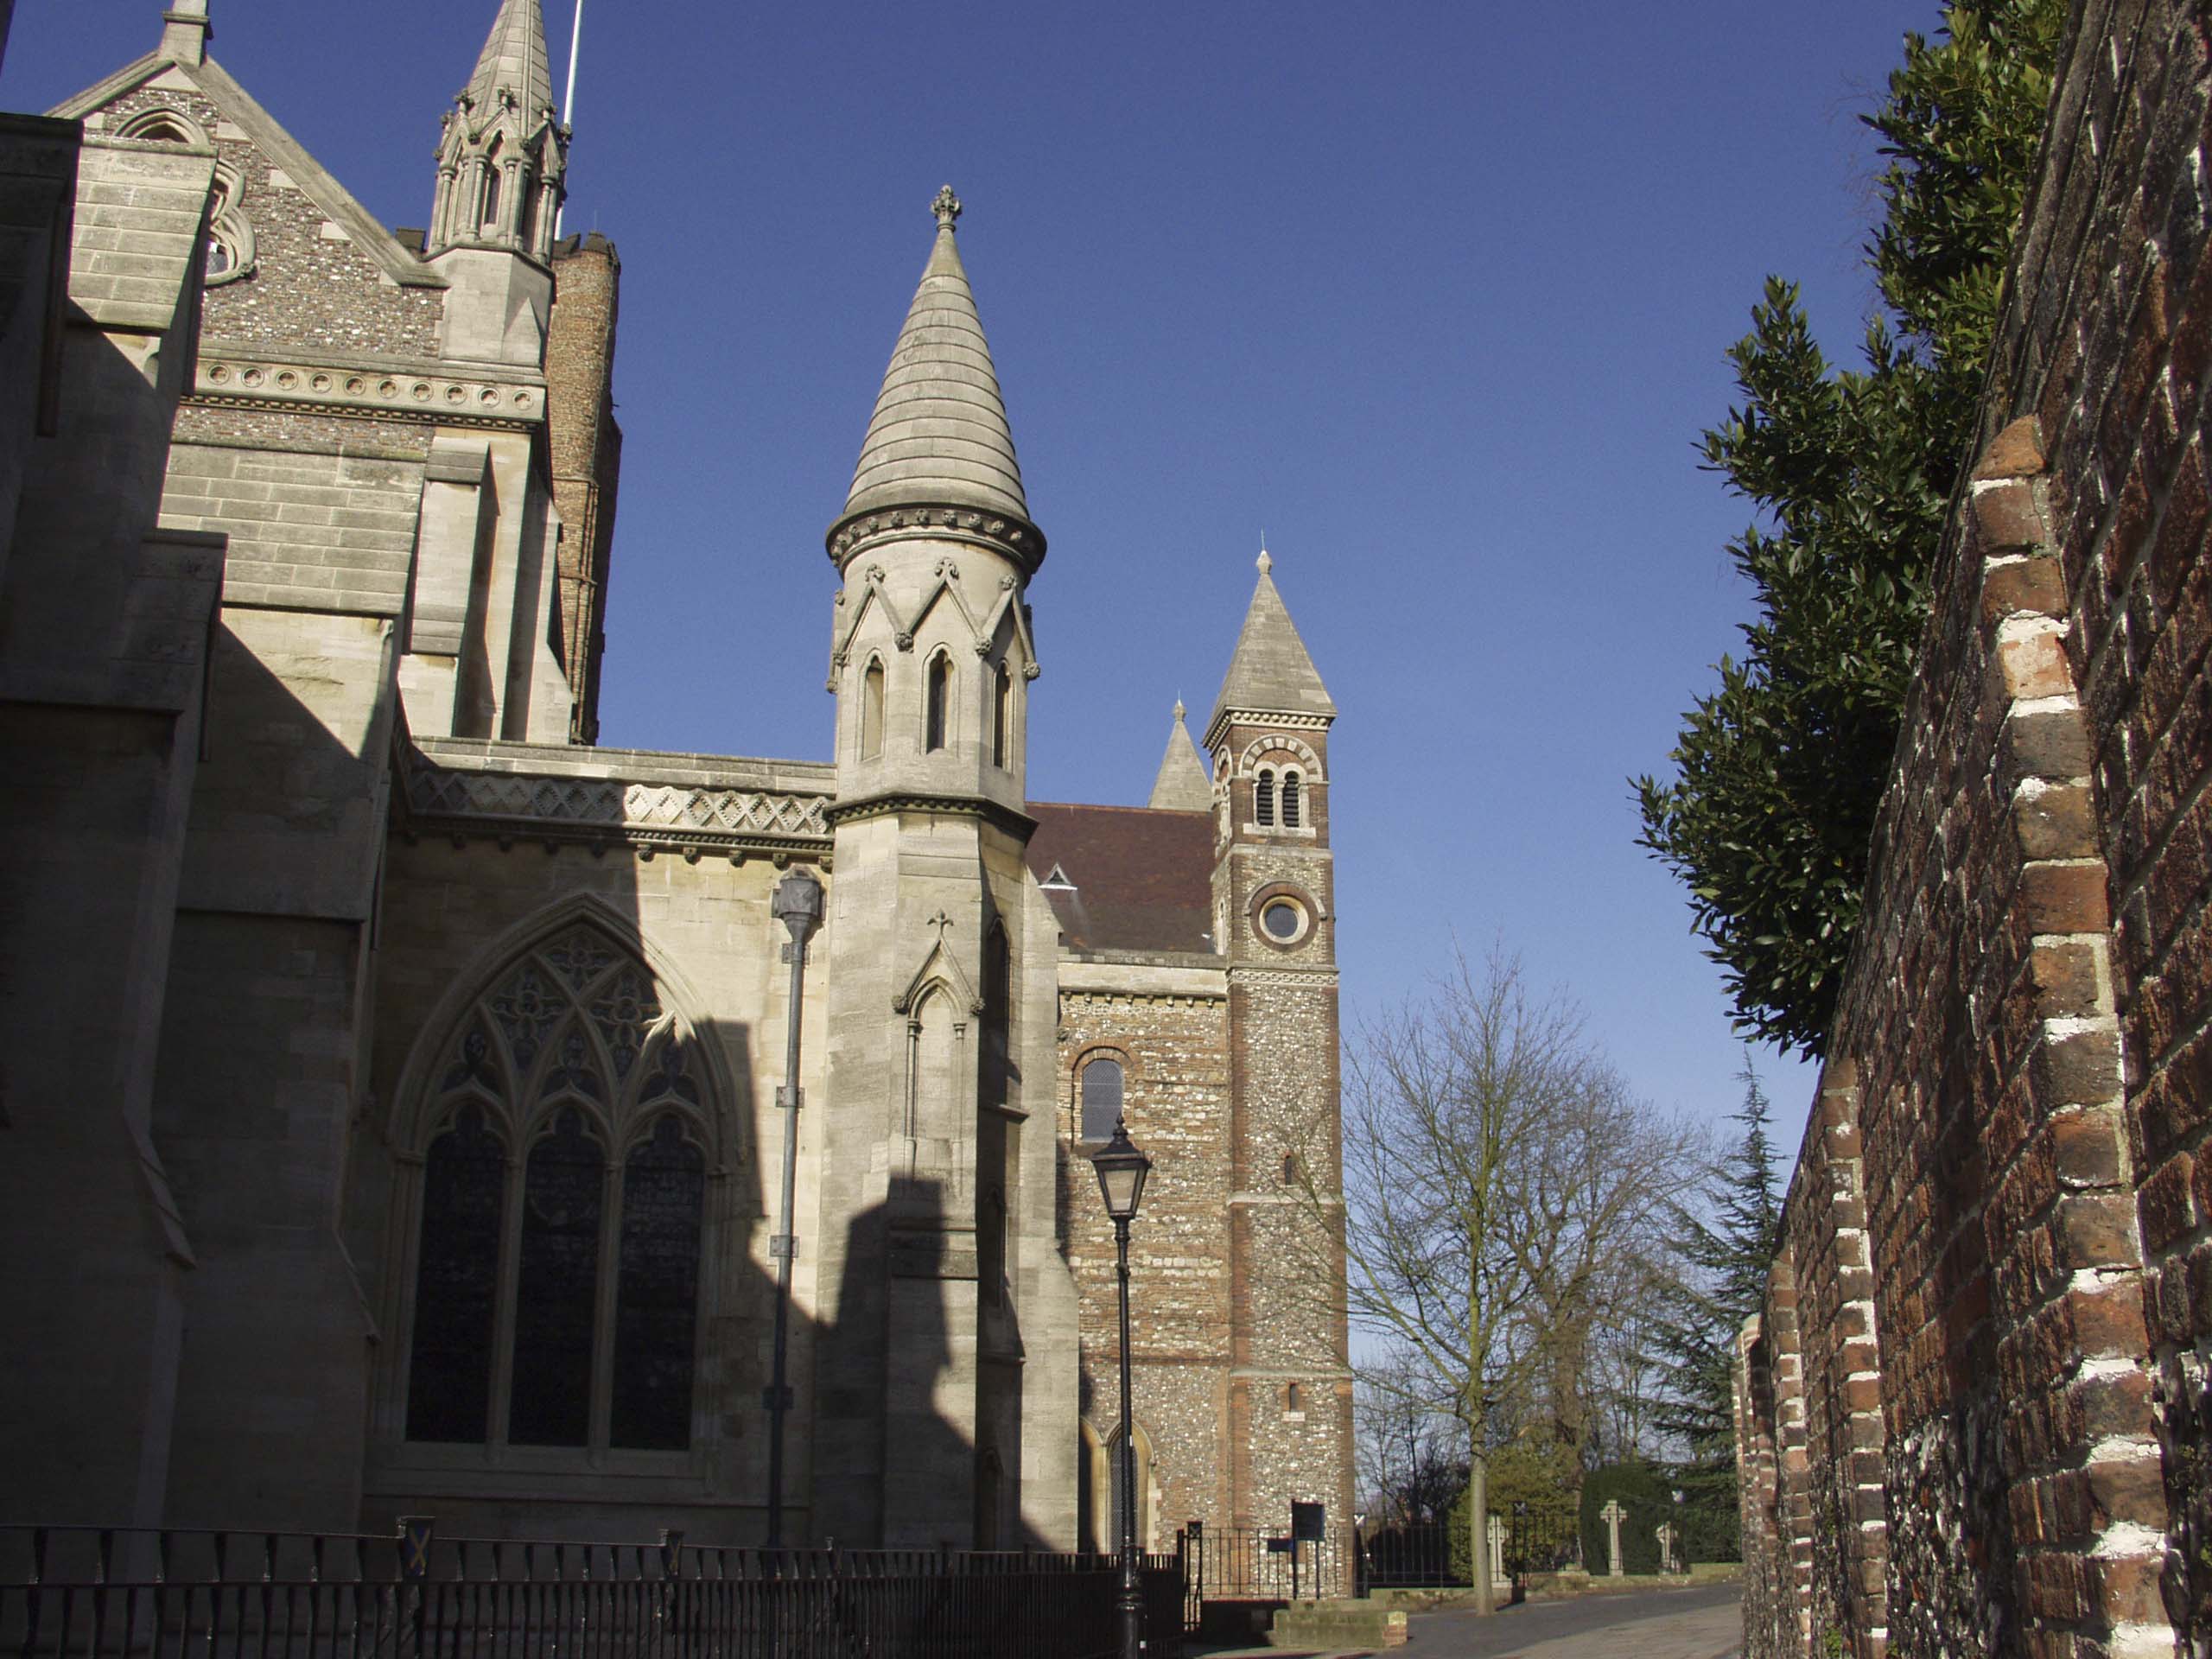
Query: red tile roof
pixel 1143 877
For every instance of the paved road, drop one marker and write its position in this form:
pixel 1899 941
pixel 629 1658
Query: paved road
pixel 1704 1623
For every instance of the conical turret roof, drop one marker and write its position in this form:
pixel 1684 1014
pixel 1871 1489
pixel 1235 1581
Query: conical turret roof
pixel 939 435
pixel 514 60
pixel 1270 671
pixel 1182 785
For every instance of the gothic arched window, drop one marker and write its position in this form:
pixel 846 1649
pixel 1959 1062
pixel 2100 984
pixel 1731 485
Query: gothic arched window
pixel 991 1255
pixel 1002 719
pixel 1263 800
pixel 871 710
pixel 998 1009
pixel 557 1275
pixel 1102 1098
pixel 488 221
pixel 936 701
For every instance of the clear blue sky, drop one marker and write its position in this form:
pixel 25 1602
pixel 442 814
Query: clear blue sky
pixel 1436 294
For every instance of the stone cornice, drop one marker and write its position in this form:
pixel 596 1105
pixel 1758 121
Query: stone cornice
pixel 671 818
pixel 1016 538
pixel 1266 717
pixel 891 802
pixel 295 381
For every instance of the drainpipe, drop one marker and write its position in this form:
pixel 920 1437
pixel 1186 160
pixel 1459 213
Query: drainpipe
pixel 798 905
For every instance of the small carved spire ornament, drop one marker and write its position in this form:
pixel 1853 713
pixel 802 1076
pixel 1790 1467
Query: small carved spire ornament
pixel 946 208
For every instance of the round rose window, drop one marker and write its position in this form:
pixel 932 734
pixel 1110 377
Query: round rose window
pixel 1282 919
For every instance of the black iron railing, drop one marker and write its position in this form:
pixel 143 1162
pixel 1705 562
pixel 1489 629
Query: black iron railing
pixel 118 1593
pixel 1413 1555
pixel 1252 1564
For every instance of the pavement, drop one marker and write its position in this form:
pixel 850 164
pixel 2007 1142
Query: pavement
pixel 1702 1622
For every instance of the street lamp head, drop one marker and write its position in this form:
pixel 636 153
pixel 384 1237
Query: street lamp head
pixel 797 904
pixel 1122 1171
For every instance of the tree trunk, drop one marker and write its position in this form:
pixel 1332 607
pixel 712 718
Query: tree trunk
pixel 1478 1527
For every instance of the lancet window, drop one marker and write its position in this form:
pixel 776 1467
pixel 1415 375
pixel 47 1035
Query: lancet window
pixel 936 701
pixel 1002 719
pixel 871 710
pixel 487 219
pixel 1263 798
pixel 563 1201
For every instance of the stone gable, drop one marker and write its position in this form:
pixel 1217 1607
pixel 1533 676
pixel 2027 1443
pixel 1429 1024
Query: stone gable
pixel 310 287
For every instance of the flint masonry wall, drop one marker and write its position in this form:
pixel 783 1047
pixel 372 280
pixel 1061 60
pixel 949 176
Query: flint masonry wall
pixel 1997 1235
pixel 1169 1026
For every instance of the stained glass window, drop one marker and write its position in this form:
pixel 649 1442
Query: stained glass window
pixel 557 1287
pixel 657 1297
pixel 464 1184
pixel 572 1036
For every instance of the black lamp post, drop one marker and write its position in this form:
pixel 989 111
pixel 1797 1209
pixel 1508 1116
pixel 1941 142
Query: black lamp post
pixel 798 905
pixel 1122 1171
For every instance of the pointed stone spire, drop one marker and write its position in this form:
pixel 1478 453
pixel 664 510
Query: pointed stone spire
pixel 514 60
pixel 1182 785
pixel 503 159
pixel 940 438
pixel 185 29
pixel 1270 671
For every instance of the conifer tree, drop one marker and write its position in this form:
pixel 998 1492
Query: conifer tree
pixel 1724 1256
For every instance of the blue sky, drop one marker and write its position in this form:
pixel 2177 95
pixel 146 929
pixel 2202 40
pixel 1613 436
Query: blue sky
pixel 1434 294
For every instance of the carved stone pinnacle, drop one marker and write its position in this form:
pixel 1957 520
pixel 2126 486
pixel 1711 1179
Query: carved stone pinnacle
pixel 946 208
pixel 1267 564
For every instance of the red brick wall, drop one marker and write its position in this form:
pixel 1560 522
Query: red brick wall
pixel 2015 1098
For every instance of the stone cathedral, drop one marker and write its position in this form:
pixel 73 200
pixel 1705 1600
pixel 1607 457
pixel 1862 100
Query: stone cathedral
pixel 391 1079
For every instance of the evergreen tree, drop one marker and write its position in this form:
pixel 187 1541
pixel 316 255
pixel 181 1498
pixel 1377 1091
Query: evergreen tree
pixel 1724 1259
pixel 1777 772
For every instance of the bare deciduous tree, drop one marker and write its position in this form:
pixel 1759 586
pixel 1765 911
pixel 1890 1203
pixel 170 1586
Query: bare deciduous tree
pixel 1500 1190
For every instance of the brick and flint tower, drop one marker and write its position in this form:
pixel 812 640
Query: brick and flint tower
pixel 1275 919
pixel 940 1420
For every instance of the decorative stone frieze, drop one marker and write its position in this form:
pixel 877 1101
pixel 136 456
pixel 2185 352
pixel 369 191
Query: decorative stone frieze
pixel 392 395
pixel 650 815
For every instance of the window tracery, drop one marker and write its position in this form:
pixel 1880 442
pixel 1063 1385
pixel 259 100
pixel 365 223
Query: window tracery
pixel 566 1159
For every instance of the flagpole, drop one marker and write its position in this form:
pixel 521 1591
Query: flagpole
pixel 568 103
